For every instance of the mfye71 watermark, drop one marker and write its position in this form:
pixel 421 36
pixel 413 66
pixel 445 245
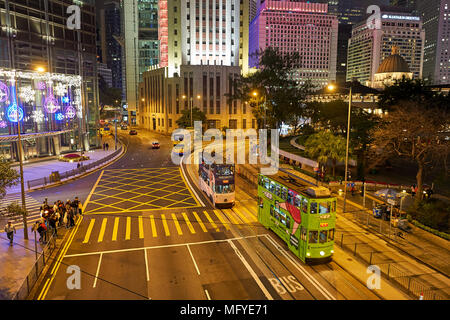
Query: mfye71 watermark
pixel 214 152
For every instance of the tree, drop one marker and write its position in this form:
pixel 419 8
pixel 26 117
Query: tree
pixel 8 177
pixel 279 98
pixel 325 146
pixel 416 132
pixel 185 120
pixel 16 210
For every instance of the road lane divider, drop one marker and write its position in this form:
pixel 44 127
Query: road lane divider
pixel 200 222
pixel 115 229
pixel 153 225
pixel 193 260
pixel 177 225
pixel 128 229
pixel 98 270
pixel 141 228
pixel 89 231
pixel 166 227
pixel 188 223
pixel 213 224
pixel 102 230
pixel 222 220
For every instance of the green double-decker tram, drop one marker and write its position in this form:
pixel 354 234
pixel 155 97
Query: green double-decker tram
pixel 304 217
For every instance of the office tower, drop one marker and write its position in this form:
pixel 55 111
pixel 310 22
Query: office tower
pixel 369 47
pixel 435 15
pixel 301 27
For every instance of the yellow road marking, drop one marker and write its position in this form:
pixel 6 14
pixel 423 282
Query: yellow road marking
pixel 241 215
pixel 232 218
pixel 116 228
pixel 166 227
pixel 224 223
pixel 102 230
pixel 186 186
pixel 128 229
pixel 211 221
pixel 251 215
pixel 152 221
pixel 141 228
pixel 199 222
pixel 177 225
pixel 188 223
pixel 89 230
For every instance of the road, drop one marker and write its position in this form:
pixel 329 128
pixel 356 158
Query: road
pixel 149 233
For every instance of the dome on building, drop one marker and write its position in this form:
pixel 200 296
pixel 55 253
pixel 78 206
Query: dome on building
pixel 394 63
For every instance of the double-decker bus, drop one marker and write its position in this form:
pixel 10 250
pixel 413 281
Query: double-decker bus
pixel 217 182
pixel 304 217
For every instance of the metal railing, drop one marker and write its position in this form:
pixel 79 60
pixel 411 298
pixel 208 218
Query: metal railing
pixel 38 267
pixel 70 173
pixel 389 267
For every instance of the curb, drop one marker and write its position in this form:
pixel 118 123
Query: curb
pixel 124 149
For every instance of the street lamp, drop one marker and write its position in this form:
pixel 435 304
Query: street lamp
pixel 255 93
pixel 332 87
pixel 191 104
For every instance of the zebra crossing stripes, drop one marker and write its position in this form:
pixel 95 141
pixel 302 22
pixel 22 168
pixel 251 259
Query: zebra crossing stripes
pixel 32 206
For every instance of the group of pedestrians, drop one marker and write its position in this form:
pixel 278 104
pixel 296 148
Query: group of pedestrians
pixel 56 216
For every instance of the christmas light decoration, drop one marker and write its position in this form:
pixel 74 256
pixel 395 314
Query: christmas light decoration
pixel 41 85
pixel 14 112
pixel 60 89
pixel 51 105
pixel 38 116
pixel 27 94
pixel 59 116
pixel 3 124
pixel 65 99
pixel 4 93
pixel 70 112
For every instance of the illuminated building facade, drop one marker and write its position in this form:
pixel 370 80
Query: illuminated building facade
pixel 300 27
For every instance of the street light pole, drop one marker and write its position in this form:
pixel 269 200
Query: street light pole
pixel 192 102
pixel 346 151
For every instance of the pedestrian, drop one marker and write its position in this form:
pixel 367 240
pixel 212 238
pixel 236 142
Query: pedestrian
pixel 68 214
pixel 80 208
pixel 78 165
pixel 42 229
pixel 107 146
pixel 74 206
pixel 104 146
pixel 10 231
pixel 429 193
pixel 52 222
pixel 352 188
pixel 413 190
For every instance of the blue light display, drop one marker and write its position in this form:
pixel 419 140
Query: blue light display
pixel 59 116
pixel 14 111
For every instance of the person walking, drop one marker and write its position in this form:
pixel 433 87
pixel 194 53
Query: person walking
pixel 107 146
pixel 68 214
pixel 10 231
pixel 413 190
pixel 104 146
pixel 52 223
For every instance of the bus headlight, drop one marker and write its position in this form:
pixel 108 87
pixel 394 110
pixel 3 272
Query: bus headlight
pixel 322 253
pixel 308 254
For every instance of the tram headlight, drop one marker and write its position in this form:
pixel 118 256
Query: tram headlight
pixel 308 254
pixel 322 253
pixel 332 251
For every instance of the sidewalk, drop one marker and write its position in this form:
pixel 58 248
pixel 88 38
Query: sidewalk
pixel 36 170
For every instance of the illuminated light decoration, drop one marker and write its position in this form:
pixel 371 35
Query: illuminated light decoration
pixel 14 111
pixel 3 124
pixel 70 112
pixel 51 105
pixel 65 99
pixel 59 116
pixel 38 116
pixel 27 94
pixel 60 89
pixel 41 85
pixel 4 94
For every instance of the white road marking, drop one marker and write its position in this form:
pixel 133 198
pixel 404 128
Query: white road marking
pixel 146 265
pixel 98 270
pixel 207 294
pixel 158 247
pixel 302 270
pixel 192 256
pixel 252 272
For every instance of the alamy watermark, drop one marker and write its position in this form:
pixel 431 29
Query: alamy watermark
pixel 74 280
pixel 74 20
pixel 374 20
pixel 374 280
pixel 214 152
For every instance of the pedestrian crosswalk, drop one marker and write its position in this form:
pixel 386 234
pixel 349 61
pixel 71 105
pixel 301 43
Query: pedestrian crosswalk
pixel 31 204
pixel 100 228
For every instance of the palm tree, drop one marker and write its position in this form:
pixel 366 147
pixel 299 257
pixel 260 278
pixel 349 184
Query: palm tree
pixel 324 146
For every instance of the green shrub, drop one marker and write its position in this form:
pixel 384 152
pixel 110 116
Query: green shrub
pixel 432 213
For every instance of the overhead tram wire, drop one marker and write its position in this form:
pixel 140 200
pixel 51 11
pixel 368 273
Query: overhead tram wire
pixel 85 272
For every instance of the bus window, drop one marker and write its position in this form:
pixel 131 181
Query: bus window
pixel 313 208
pixel 284 193
pixel 331 235
pixel 313 237
pixel 323 236
pixel 323 207
pixel 278 190
pixel 272 187
pixel 298 201
pixel 303 233
pixel 305 205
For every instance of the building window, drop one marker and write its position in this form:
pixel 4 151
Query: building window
pixel 254 123
pixel 218 107
pixel 170 123
pixel 232 124
pixel 244 123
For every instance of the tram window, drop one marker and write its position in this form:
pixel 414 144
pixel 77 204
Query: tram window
pixel 303 233
pixel 305 205
pixel 284 193
pixel 298 201
pixel 313 208
pixel 331 235
pixel 227 188
pixel 266 183
pixel 313 237
pixel 323 236
pixel 323 208
pixel 290 197
pixel 272 187
pixel 278 190
pixel 333 208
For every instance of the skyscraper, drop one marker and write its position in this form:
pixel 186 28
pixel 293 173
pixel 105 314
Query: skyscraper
pixel 369 47
pixel 435 15
pixel 141 45
pixel 301 27
pixel 409 4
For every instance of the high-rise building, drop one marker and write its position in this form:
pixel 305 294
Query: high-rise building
pixel 408 4
pixel 369 47
pixel 59 104
pixel 301 27
pixel 435 15
pixel 140 45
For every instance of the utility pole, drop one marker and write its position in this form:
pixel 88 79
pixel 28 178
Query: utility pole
pixel 346 151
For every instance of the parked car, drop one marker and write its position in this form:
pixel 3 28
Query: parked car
pixel 133 132
pixel 155 145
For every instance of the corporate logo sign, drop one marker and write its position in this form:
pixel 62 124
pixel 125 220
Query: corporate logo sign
pixel 374 20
